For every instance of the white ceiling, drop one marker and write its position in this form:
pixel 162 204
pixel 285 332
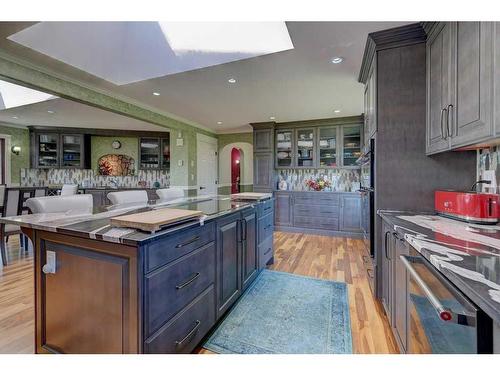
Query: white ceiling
pixel 290 85
pixel 68 113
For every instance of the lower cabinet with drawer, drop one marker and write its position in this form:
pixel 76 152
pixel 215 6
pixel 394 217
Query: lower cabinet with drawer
pixel 193 277
pixel 331 213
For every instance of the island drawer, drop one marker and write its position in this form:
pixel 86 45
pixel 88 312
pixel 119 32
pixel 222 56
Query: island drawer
pixel 163 251
pixel 265 252
pixel 169 289
pixel 265 225
pixel 316 210
pixel 316 222
pixel 265 207
pixel 185 331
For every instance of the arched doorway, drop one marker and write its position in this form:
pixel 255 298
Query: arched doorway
pixel 236 159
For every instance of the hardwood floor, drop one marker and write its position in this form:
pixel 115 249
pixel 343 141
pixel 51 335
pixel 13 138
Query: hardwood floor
pixel 331 258
pixel 17 314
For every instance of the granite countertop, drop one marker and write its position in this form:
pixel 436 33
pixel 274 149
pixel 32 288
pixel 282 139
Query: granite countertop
pixel 95 224
pixel 317 192
pixel 466 254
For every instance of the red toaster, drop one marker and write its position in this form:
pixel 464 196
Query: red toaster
pixel 479 208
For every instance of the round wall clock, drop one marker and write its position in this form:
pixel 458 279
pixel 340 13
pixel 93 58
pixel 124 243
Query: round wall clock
pixel 116 145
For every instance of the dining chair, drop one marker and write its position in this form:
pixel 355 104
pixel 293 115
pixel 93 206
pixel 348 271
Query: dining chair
pixel 129 196
pixel 71 204
pixel 11 207
pixel 170 194
pixel 69 189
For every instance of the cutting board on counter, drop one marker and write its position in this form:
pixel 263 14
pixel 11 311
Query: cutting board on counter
pixel 251 196
pixel 152 221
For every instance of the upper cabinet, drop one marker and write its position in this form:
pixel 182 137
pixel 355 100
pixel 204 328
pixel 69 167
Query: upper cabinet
pixel 284 148
pixel 305 148
pixel 351 145
pixel 459 84
pixel 154 153
pixel 327 147
pixel 55 150
pixel 263 140
pixel 370 120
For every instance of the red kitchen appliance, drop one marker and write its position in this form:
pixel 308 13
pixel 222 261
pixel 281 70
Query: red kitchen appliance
pixel 469 206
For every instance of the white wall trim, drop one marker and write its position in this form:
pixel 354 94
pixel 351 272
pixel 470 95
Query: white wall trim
pixel 8 165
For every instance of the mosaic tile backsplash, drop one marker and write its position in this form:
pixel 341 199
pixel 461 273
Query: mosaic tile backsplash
pixel 488 168
pixel 341 179
pixel 90 178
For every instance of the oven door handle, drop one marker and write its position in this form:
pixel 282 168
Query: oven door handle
pixel 444 314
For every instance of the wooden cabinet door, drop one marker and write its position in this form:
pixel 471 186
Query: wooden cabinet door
pixel 263 172
pixel 249 253
pixel 283 209
pixel 228 262
pixel 400 303
pixel 387 270
pixel 469 115
pixel 89 305
pixel 438 89
pixel 372 95
pixel 263 140
pixel 350 214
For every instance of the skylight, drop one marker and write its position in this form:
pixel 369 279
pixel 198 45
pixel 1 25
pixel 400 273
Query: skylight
pixel 252 38
pixel 12 95
pixel 128 52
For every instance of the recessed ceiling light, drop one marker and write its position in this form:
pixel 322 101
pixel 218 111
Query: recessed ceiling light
pixel 272 118
pixel 50 111
pixel 156 93
pixel 337 60
pixel 231 80
pixel 337 111
pixel 15 117
pixel 219 122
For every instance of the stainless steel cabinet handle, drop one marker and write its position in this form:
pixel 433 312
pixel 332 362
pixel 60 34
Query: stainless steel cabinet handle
pixel 385 245
pixel 442 123
pixel 449 130
pixel 189 335
pixel 443 313
pixel 268 250
pixel 194 239
pixel 186 283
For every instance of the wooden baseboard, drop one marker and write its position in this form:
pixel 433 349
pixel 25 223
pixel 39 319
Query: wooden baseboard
pixel 321 232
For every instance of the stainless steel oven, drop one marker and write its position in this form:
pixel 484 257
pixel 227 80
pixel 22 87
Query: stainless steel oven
pixel 440 318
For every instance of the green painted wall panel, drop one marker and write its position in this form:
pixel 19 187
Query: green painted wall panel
pixel 19 137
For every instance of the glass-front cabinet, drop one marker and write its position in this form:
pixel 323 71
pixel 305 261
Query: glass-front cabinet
pixel 327 146
pixel 284 148
pixel 351 145
pixel 154 153
pixel 305 146
pixel 48 150
pixel 72 152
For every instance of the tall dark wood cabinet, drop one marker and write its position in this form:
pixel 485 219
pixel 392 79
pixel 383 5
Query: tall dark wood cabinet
pixel 249 247
pixel 405 177
pixel 263 157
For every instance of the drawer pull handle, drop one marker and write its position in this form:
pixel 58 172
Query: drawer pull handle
pixel 189 335
pixel 268 226
pixel 267 208
pixel 268 250
pixel 186 283
pixel 194 239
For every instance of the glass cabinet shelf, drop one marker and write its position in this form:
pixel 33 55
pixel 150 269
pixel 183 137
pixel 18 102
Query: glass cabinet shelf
pixel 305 148
pixel 328 147
pixel 351 149
pixel 284 148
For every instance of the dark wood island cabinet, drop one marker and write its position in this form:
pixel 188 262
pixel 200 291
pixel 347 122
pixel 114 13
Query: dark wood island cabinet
pixel 144 293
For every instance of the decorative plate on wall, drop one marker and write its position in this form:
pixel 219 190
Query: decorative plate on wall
pixel 116 165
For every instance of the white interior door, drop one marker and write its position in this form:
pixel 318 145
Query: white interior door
pixel 207 169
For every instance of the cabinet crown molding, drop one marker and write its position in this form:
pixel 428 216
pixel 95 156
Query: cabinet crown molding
pixel 390 38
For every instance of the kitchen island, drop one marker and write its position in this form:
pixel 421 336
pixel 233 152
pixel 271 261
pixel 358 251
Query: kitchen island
pixel 457 267
pixel 100 289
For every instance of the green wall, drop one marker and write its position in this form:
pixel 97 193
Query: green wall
pixel 225 139
pixel 100 146
pixel 19 137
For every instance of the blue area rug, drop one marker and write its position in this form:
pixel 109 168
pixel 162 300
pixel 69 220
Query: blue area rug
pixel 281 313
pixel 444 337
